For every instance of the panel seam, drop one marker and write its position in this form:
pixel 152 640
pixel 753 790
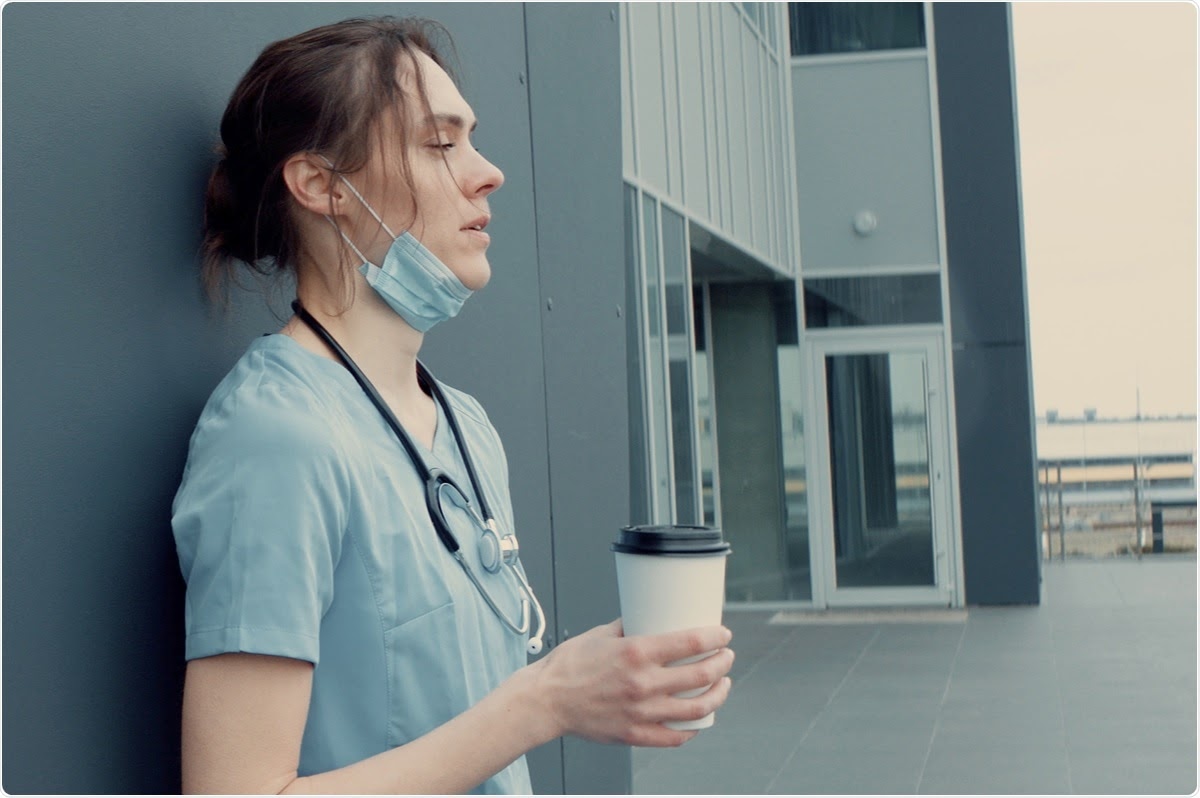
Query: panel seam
pixel 537 239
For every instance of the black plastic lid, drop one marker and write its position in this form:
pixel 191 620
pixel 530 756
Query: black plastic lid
pixel 677 540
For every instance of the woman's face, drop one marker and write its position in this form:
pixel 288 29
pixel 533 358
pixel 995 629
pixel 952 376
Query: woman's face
pixel 452 181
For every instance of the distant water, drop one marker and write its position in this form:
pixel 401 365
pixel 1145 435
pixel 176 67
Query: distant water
pixel 1115 438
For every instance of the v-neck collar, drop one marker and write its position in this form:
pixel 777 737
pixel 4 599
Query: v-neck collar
pixel 346 381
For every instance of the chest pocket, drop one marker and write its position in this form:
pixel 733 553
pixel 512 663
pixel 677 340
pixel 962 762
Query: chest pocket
pixel 427 684
pixel 443 662
pixel 446 649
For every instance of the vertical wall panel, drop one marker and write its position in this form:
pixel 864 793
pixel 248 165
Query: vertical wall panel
pixel 988 303
pixel 767 228
pixel 573 98
pixel 648 97
pixel 779 173
pixel 720 59
pixel 794 211
pixel 774 13
pixel 780 168
pixel 753 124
pixel 691 101
pixel 736 118
pixel 751 68
pixel 627 127
pixel 708 84
pixel 670 100
pixel 767 231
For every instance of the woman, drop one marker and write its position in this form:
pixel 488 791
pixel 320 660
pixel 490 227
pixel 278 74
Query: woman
pixel 334 642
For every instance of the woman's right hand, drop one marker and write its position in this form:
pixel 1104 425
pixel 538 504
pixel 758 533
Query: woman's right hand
pixel 614 689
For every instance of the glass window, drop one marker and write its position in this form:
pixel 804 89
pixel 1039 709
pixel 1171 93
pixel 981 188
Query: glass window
pixel 868 301
pixel 639 446
pixel 681 433
pixel 818 28
pixel 705 419
pixel 656 393
pixel 798 576
pixel 880 469
pixel 675 270
pixel 679 354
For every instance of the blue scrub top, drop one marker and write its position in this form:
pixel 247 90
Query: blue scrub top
pixel 302 532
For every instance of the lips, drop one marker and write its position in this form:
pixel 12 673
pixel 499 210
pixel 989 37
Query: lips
pixel 478 224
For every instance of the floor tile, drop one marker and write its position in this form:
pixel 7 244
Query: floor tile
pixel 1021 767
pixel 716 763
pixel 1169 772
pixel 1094 691
pixel 859 770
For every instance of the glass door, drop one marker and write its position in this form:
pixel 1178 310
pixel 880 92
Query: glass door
pixel 884 522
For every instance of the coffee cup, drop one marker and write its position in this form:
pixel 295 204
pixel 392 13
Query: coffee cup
pixel 671 577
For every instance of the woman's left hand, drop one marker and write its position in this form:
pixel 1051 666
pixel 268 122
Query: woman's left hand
pixel 614 689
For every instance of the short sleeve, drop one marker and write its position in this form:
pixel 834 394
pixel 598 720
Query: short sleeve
pixel 258 522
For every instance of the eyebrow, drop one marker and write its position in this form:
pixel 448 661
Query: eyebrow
pixel 453 120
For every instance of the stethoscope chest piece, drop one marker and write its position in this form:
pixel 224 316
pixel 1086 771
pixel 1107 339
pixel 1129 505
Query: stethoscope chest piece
pixel 496 550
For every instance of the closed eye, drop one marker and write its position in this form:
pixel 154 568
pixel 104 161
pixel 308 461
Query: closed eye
pixel 446 146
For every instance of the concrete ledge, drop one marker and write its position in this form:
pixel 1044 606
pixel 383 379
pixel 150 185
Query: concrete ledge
pixel 798 617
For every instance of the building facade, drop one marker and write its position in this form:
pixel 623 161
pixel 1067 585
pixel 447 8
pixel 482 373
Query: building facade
pixel 794 303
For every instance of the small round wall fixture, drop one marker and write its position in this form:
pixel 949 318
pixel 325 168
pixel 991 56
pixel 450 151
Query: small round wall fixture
pixel 865 223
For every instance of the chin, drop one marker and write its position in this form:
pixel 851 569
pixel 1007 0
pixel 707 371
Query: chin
pixel 476 275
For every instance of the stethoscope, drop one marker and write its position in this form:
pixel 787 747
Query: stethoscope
pixel 495 550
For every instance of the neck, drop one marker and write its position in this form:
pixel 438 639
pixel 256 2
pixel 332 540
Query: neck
pixel 383 344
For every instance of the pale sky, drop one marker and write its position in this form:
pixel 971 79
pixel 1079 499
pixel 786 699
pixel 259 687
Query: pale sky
pixel 1106 98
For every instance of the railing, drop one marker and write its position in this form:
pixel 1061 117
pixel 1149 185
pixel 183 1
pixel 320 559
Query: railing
pixel 1104 503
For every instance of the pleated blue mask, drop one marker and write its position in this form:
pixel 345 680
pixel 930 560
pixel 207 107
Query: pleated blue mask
pixel 412 280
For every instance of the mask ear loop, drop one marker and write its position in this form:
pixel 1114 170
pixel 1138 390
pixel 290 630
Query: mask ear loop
pixel 346 238
pixel 365 204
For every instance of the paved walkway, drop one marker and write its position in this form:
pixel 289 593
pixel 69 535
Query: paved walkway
pixel 1094 691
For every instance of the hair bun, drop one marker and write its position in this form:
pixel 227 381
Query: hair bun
pixel 228 223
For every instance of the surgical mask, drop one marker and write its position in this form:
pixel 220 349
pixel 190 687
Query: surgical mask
pixel 412 280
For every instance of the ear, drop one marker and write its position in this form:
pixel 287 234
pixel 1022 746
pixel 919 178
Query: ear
pixel 313 184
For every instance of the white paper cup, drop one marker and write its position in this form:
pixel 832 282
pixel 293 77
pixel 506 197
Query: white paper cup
pixel 671 578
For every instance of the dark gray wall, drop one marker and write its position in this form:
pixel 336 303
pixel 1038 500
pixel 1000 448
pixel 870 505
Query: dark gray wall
pixel 110 349
pixel 989 319
pixel 575 100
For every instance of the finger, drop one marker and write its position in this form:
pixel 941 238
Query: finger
pixel 695 675
pixel 674 646
pixel 680 709
pixel 655 735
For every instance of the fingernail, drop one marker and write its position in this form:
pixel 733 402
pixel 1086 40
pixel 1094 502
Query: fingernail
pixel 728 635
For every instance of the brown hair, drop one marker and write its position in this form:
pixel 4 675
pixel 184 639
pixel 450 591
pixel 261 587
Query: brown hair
pixel 323 91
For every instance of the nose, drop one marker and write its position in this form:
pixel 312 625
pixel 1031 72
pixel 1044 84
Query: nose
pixel 486 177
